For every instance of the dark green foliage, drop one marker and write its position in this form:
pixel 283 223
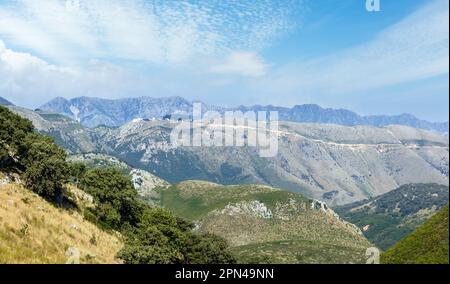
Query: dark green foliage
pixel 206 248
pixel 40 161
pixel 394 215
pixel 13 130
pixel 46 170
pixel 76 172
pixel 117 200
pixel 152 235
pixel 427 245
pixel 162 238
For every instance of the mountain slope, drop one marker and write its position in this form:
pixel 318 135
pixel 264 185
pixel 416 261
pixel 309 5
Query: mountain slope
pixel 267 225
pixel 33 231
pixel 93 112
pixel 337 164
pixel 333 163
pixel 5 102
pixel 388 218
pixel 427 245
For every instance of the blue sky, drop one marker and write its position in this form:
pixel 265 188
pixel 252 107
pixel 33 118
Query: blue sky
pixel 282 52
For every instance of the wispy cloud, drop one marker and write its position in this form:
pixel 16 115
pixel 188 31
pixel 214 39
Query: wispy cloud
pixel 155 31
pixel 241 63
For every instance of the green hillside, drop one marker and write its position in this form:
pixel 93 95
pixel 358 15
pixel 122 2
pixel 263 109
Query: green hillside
pixel 390 217
pixel 427 245
pixel 267 225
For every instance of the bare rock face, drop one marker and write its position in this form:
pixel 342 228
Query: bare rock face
pixel 323 207
pixel 251 208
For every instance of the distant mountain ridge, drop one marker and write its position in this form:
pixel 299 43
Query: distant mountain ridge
pixel 5 102
pixel 92 112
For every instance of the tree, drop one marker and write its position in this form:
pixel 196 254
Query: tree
pixel 116 196
pixel 13 130
pixel 76 172
pixel 46 169
pixel 161 238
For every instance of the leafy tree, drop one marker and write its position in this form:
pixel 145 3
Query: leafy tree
pixel 116 196
pixel 13 130
pixel 76 172
pixel 46 169
pixel 162 238
pixel 152 235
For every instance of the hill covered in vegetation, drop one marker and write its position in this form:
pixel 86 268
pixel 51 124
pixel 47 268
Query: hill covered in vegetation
pixel 427 245
pixel 267 225
pixel 390 217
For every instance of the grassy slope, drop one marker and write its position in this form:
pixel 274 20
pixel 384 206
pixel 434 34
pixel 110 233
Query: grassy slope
pixel 396 214
pixel 427 245
pixel 295 234
pixel 34 231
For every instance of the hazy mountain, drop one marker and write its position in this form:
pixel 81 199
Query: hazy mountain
pixel 93 112
pixel 337 164
pixel 427 245
pixel 267 225
pixel 5 102
pixel 390 217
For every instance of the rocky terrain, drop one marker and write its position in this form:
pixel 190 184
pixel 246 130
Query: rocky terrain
pixel 267 225
pixel 93 112
pixel 334 163
pixel 390 217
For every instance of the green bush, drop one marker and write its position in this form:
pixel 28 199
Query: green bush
pixel 40 161
pixel 152 235
pixel 46 169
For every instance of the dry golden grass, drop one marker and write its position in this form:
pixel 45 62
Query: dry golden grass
pixel 34 231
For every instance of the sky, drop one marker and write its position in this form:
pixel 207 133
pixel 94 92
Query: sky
pixel 334 53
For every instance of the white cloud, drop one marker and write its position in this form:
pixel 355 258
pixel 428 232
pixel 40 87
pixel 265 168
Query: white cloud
pixel 153 31
pixel 29 80
pixel 242 64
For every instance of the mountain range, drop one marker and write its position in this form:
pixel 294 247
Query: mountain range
pixel 329 162
pixel 92 112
